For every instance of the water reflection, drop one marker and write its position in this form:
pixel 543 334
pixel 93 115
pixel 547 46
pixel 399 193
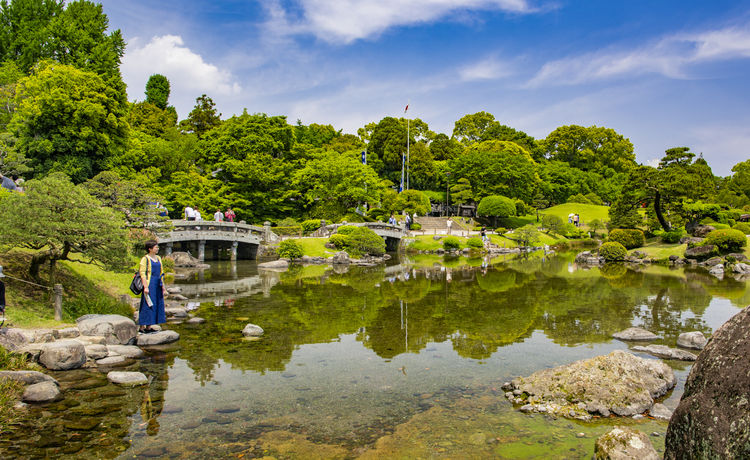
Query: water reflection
pixel 350 354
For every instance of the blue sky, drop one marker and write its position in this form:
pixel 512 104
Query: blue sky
pixel 662 73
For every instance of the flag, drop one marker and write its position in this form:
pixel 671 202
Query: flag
pixel 407 108
pixel 364 157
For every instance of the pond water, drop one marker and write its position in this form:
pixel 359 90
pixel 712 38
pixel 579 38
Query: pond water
pixel 397 361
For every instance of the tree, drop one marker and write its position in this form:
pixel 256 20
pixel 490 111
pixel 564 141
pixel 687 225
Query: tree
pixel 553 224
pixel 135 201
pixel 497 168
pixel 590 149
pixel 443 147
pixel 472 128
pixel 527 235
pixel 496 206
pixel 150 119
pixel 157 91
pixel 413 201
pixel 461 192
pixel 68 120
pixel 202 118
pixel 10 73
pixel 56 219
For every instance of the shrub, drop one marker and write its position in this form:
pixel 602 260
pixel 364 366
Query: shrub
pixel 594 199
pixel 743 227
pixel 612 251
pixel 720 226
pixel 673 236
pixel 727 240
pixel 628 237
pixel 475 243
pixel 578 198
pixel 553 224
pixel 339 241
pixel 500 230
pixel 346 230
pixel 311 225
pixel 522 208
pixel 290 249
pixel 363 241
pixel 378 213
pixel 450 243
pixel 416 226
pixel 496 206
pixel 168 264
pixel 98 304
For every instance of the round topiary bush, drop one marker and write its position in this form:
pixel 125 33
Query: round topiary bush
pixel 311 225
pixel 346 230
pixel 727 240
pixel 451 243
pixel 629 237
pixel 475 243
pixel 612 251
pixel 416 226
pixel 744 227
pixel 290 249
pixel 358 241
pixel 339 241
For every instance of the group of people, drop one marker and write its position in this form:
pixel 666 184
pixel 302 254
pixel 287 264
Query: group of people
pixel 194 214
pixel 574 219
pixel 408 220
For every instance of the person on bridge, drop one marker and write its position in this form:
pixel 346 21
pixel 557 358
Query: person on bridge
pixel 151 310
pixel 229 214
pixel 189 213
pixel 218 216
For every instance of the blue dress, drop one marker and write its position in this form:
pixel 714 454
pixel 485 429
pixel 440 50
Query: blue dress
pixel 154 314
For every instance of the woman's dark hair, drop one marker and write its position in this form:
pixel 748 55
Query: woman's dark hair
pixel 150 244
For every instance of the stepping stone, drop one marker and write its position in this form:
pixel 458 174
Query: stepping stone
pixel 27 377
pixel 128 351
pixel 663 351
pixel 127 378
pixel 41 392
pixel 158 338
pixel 635 333
pixel 112 361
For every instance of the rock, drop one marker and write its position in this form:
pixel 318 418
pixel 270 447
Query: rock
pixel 68 333
pixel 112 361
pixel 674 258
pixel 660 411
pixel 44 335
pixel 128 351
pixel 741 268
pixel 694 339
pixel 41 392
pixel 713 261
pixel 619 382
pixel 281 263
pixel 158 338
pixel 183 259
pixel 341 258
pixel 178 297
pixel 127 378
pixel 437 237
pixel 663 351
pixel 91 340
pixel 96 351
pixel 702 230
pixel 691 241
pixel 587 257
pixel 115 329
pixel 252 330
pixel 14 339
pixel 713 417
pixel 738 256
pixel 174 290
pixel 717 271
pixel 27 377
pixel 176 312
pixel 32 351
pixel 196 320
pixel 63 355
pixel 700 252
pixel 635 334
pixel 623 443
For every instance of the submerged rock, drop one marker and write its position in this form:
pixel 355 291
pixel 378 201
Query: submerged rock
pixel 127 378
pixel 635 333
pixel 277 264
pixel 619 383
pixel 252 330
pixel 129 351
pixel 27 377
pixel 663 351
pixel 623 443
pixel 713 417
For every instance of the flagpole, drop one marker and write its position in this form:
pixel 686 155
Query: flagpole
pixel 408 157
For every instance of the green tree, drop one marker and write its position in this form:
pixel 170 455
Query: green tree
pixel 157 91
pixel 462 192
pixel 136 201
pixel 527 235
pixel 553 224
pixel 56 219
pixel 150 119
pixel 473 128
pixel 10 73
pixel 496 206
pixel 590 149
pixel 443 147
pixel 202 118
pixel 413 201
pixel 68 120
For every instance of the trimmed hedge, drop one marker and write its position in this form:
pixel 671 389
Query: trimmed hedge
pixel 727 240
pixel 475 242
pixel 416 226
pixel 311 225
pixel 290 249
pixel 450 243
pixel 338 240
pixel 629 237
pixel 358 241
pixel 743 227
pixel 613 251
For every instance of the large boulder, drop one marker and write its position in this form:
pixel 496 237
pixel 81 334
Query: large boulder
pixel 27 377
pixel 619 383
pixel 183 259
pixel 63 355
pixel 700 252
pixel 589 258
pixel 13 339
pixel 41 392
pixel 713 417
pixel 623 443
pixel 702 230
pixel 341 258
pixel 116 329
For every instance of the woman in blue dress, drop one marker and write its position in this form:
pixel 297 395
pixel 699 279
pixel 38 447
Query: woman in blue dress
pixel 151 310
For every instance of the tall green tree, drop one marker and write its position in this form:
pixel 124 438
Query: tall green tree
pixel 590 149
pixel 473 128
pixel 68 120
pixel 157 91
pixel 56 219
pixel 202 118
pixel 461 192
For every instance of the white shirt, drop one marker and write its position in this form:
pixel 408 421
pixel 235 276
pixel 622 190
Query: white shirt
pixel 189 212
pixel 197 215
pixel 218 216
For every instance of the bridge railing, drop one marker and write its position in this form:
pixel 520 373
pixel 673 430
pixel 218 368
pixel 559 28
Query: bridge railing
pixel 381 227
pixel 208 226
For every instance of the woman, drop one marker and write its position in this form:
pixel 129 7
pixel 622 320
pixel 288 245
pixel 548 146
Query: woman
pixel 229 215
pixel 154 289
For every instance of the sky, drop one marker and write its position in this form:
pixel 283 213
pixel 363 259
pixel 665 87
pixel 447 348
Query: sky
pixel 661 73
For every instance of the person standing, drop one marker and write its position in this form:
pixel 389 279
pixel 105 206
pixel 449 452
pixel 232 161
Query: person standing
pixel 230 215
pixel 7 183
pixel 218 216
pixel 197 214
pixel 407 221
pixel 151 310
pixel 189 213
pixel 449 224
pixel 483 232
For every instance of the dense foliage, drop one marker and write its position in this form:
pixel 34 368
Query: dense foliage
pixel 629 238
pixel 727 240
pixel 613 251
pixel 451 243
pixel 358 241
pixel 290 249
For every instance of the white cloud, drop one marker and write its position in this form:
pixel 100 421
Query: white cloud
pixel 188 73
pixel 344 21
pixel 671 56
pixel 489 68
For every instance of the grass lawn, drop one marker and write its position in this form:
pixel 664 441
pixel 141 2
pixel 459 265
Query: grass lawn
pixel 662 251
pixel 427 243
pixel 587 212
pixel 315 247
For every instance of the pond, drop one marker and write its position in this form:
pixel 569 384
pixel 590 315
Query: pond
pixel 397 361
